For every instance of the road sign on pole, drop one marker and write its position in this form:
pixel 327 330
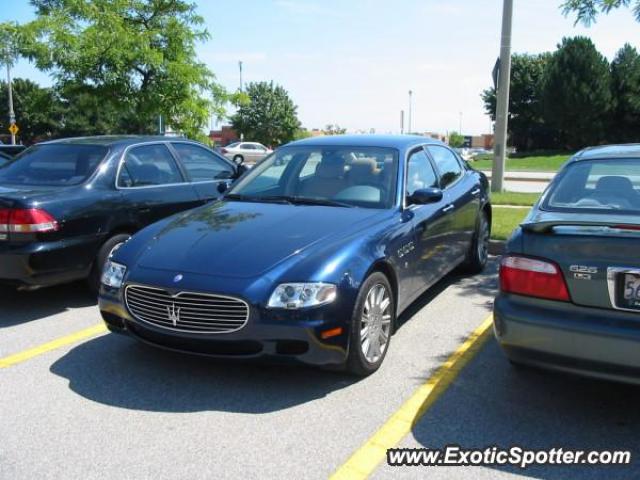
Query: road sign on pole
pixel 13 129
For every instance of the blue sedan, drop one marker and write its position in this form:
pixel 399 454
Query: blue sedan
pixel 311 256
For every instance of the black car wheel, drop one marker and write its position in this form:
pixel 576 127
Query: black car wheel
pixel 371 325
pixel 103 255
pixel 479 250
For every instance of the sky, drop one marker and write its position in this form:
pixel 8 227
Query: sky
pixel 353 62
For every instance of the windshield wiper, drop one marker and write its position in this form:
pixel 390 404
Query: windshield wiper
pixel 295 200
pixel 248 198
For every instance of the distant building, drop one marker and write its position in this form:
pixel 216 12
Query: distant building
pixel 224 136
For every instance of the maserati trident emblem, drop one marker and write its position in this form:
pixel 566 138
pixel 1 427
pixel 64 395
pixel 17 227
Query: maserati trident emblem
pixel 174 314
pixel 177 278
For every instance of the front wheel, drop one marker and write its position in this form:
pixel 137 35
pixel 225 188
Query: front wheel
pixel 103 255
pixel 371 325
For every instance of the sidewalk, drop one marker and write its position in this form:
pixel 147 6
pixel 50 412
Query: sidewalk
pixel 525 176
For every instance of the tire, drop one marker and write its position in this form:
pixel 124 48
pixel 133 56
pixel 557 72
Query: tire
pixel 363 359
pixel 479 250
pixel 238 159
pixel 105 251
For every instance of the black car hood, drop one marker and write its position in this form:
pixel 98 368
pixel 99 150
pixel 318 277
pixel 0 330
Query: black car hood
pixel 245 239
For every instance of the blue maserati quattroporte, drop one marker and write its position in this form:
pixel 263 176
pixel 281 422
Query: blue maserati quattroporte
pixel 310 256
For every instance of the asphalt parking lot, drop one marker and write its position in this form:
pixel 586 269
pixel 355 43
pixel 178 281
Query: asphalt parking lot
pixel 109 407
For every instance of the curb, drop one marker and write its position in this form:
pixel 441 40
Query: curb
pixel 496 247
pixel 543 178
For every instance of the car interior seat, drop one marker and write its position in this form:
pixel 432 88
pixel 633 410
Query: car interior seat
pixel 329 178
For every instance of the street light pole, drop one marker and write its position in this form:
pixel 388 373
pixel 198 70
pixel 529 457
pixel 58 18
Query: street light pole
pixel 410 111
pixel 240 67
pixel 401 122
pixel 12 115
pixel 502 108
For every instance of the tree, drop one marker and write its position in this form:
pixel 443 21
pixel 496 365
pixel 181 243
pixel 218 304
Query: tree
pixel 38 110
pixel 135 55
pixel 577 93
pixel 625 84
pixel 456 140
pixel 269 116
pixel 527 129
pixel 334 130
pixel 587 10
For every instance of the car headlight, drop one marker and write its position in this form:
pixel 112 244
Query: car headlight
pixel 113 274
pixel 301 295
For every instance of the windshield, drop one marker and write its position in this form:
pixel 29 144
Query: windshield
pixel 53 165
pixel 339 176
pixel 602 186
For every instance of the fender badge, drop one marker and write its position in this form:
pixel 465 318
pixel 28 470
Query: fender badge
pixel 177 278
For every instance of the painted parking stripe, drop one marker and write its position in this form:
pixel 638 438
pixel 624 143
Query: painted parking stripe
pixel 53 345
pixel 364 461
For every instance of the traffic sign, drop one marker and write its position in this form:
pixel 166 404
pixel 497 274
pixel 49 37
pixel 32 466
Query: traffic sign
pixel 13 129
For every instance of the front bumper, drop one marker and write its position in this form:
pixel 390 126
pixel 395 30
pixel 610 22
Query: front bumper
pixel 290 336
pixel 563 336
pixel 40 264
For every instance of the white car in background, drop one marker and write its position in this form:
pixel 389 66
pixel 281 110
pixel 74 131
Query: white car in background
pixel 248 152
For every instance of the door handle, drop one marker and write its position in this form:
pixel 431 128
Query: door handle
pixel 475 192
pixel 448 208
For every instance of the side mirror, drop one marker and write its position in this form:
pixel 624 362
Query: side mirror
pixel 222 187
pixel 240 169
pixel 424 196
pixel 238 160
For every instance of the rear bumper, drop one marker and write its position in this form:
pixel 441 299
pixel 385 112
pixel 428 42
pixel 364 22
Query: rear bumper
pixel 297 340
pixel 41 264
pixel 563 336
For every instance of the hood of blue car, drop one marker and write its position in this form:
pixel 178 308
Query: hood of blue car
pixel 245 239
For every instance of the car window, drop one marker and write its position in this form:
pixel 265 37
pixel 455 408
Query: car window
pixel 358 176
pixel 420 173
pixel 447 163
pixel 149 165
pixel 260 147
pixel 246 146
pixel 603 186
pixel 233 145
pixel 53 165
pixel 201 164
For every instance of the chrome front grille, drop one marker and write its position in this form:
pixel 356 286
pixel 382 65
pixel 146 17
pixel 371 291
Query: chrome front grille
pixel 186 311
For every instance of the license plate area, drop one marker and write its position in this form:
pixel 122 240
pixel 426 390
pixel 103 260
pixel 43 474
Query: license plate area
pixel 624 288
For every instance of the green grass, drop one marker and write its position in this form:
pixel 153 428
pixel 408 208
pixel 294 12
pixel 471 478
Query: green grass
pixel 514 198
pixel 505 220
pixel 549 163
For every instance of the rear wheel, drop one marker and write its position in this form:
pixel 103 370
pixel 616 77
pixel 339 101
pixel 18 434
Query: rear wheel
pixel 371 325
pixel 479 251
pixel 103 255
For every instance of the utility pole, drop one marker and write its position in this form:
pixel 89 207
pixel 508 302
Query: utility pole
pixel 12 115
pixel 240 67
pixel 502 108
pixel 409 130
pixel 401 122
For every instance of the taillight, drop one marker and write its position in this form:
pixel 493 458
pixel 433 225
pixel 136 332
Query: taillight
pixel 28 220
pixel 533 277
pixel 224 150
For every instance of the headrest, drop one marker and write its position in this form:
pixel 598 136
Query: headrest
pixel 330 167
pixel 614 183
pixel 363 168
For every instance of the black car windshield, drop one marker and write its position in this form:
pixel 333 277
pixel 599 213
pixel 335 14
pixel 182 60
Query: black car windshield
pixel 602 186
pixel 327 175
pixel 53 165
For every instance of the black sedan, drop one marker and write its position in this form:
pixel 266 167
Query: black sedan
pixel 65 205
pixel 570 280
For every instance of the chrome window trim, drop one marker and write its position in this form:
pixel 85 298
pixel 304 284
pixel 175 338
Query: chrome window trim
pixel 181 292
pixel 145 144
pixel 612 273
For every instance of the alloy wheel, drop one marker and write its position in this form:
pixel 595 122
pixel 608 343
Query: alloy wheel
pixel 375 323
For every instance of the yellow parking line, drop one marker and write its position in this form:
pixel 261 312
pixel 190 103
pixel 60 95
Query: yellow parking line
pixel 47 347
pixel 364 461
